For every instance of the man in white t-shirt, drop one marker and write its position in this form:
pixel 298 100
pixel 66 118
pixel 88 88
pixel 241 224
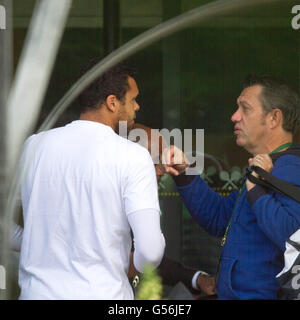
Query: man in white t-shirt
pixel 85 188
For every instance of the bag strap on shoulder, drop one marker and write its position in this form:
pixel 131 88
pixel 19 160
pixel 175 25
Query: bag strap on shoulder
pixel 271 182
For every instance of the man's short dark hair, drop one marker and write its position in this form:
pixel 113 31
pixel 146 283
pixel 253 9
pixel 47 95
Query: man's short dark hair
pixel 276 94
pixel 114 81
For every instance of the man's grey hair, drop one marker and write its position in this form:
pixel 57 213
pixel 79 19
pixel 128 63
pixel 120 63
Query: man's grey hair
pixel 276 94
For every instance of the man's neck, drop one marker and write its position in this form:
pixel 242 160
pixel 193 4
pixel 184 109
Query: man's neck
pixel 96 117
pixel 273 144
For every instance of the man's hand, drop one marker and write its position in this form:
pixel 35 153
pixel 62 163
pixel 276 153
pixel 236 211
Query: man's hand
pixel 206 284
pixel 174 161
pixel 261 160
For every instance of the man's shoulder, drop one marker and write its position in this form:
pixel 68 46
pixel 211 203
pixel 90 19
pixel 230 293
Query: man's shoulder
pixel 287 167
pixel 133 148
pixel 41 135
pixel 36 136
pixel 134 155
pixel 288 160
pixel 289 157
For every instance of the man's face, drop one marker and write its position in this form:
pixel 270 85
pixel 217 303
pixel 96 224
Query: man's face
pixel 129 106
pixel 250 120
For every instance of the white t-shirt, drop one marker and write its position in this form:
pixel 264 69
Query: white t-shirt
pixel 82 183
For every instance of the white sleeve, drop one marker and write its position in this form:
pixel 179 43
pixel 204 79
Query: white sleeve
pixel 16 237
pixel 195 277
pixel 149 242
pixel 140 188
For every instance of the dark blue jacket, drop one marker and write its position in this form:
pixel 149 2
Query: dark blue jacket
pixel 262 221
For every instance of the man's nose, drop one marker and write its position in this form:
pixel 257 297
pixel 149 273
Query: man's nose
pixel 137 107
pixel 236 117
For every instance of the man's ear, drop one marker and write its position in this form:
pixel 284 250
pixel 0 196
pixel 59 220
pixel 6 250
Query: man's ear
pixel 112 103
pixel 275 118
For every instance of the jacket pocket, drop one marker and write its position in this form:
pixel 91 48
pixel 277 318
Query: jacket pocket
pixel 224 285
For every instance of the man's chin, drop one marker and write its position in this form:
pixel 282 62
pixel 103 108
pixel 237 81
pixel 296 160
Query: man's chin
pixel 240 142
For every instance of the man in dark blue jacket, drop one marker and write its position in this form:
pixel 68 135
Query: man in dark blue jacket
pixel 254 222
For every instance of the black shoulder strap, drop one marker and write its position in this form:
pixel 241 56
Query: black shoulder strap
pixel 276 184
